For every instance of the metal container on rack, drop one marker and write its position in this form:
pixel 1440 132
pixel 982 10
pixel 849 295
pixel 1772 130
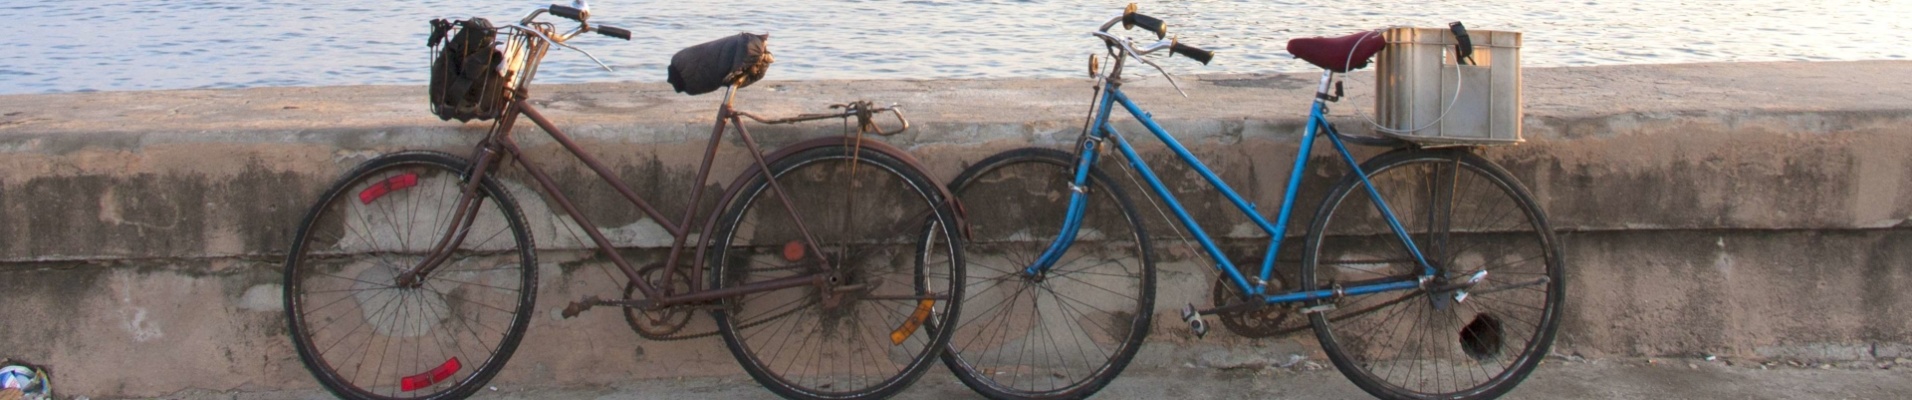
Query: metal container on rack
pixel 1418 78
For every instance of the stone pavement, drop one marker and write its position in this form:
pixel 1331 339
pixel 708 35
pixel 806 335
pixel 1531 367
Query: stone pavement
pixel 1556 379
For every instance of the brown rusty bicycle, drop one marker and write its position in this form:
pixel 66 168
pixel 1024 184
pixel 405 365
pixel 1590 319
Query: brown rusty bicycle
pixel 830 269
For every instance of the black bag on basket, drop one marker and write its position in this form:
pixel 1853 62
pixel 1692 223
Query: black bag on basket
pixel 715 64
pixel 466 81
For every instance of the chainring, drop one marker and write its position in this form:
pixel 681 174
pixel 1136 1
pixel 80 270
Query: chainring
pixel 659 324
pixel 1267 321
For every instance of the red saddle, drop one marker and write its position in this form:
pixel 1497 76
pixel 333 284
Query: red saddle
pixel 1339 54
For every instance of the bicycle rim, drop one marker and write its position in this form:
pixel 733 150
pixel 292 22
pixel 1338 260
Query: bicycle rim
pixel 364 336
pixel 1070 331
pixel 1467 216
pixel 875 330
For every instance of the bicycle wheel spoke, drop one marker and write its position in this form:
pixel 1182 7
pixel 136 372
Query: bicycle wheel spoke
pixel 1096 287
pixel 1066 331
pixel 997 313
pixel 514 290
pixel 1066 307
pixel 364 335
pixel 1005 271
pixel 1468 217
pixel 864 212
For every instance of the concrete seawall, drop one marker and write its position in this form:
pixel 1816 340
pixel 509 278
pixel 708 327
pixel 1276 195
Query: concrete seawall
pixel 1754 210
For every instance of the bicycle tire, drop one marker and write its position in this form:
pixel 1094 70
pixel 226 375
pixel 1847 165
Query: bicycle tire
pixel 1467 215
pixel 990 358
pixel 345 247
pixel 865 339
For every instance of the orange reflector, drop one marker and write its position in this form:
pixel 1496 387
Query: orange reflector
pixel 916 319
pixel 793 251
pixel 428 378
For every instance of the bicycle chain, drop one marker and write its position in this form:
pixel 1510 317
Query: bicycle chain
pixel 674 336
pixel 714 332
pixel 1267 321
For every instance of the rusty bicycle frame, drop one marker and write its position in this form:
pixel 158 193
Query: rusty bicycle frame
pixel 487 156
pixel 835 256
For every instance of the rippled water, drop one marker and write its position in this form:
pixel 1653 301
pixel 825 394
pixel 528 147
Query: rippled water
pixel 61 46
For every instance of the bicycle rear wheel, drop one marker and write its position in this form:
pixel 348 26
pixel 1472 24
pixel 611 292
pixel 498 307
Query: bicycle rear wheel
pixel 874 327
pixel 1067 332
pixel 366 337
pixel 1468 217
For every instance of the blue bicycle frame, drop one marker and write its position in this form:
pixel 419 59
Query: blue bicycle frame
pixel 1101 131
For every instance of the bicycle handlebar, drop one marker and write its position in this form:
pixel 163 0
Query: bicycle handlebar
pixel 574 14
pixel 583 16
pixel 1131 19
pixel 613 31
pixel 1191 52
pixel 545 32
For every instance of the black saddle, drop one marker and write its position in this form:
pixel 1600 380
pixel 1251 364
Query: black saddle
pixel 740 60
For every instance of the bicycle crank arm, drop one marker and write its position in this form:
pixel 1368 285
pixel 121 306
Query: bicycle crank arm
pixel 1242 306
pixel 1472 280
pixel 1536 282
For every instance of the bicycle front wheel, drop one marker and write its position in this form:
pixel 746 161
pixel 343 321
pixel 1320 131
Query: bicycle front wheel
pixel 1066 332
pixel 364 335
pixel 877 318
pixel 1487 315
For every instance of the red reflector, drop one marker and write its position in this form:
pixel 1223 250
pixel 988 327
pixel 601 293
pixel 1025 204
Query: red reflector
pixel 428 378
pixel 793 251
pixel 387 186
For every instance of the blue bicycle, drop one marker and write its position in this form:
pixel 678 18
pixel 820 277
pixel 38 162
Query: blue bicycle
pixel 1426 272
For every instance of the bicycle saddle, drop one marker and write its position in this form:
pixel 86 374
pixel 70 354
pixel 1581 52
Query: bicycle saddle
pixel 1339 54
pixel 741 59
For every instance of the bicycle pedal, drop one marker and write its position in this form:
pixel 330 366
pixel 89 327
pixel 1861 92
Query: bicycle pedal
pixel 578 307
pixel 1460 296
pixel 1478 276
pixel 1195 322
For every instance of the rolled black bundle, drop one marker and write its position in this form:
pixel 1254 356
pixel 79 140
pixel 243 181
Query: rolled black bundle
pixel 706 67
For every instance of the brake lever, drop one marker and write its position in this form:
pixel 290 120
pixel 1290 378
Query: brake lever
pixel 1129 46
pixel 1158 68
pixel 586 54
pixel 548 39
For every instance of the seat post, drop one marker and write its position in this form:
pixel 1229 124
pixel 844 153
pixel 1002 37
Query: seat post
pixel 1327 76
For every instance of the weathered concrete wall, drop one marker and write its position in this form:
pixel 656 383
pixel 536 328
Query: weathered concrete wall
pixel 1753 210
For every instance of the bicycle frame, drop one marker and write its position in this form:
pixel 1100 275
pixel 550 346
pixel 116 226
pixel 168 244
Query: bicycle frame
pixel 1100 131
pixel 487 157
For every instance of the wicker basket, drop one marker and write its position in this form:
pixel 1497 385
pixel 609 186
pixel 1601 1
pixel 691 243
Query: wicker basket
pixel 510 68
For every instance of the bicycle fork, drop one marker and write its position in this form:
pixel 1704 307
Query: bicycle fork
pixel 469 202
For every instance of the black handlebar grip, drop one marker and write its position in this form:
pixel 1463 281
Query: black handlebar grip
pixel 613 31
pixel 1147 23
pixel 1192 52
pixel 571 13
